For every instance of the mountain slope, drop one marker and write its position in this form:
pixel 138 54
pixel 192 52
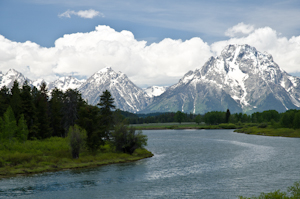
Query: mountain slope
pixel 241 79
pixel 155 90
pixel 127 95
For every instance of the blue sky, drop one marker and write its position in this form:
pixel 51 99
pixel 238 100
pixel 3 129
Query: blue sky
pixel 214 22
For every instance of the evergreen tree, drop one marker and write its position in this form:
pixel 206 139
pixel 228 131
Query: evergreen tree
pixel 34 124
pixel 198 119
pixel 297 120
pixel 106 105
pixel 71 105
pixel 56 112
pixel 22 130
pixel 28 109
pixel 4 100
pixel 89 117
pixel 9 125
pixel 44 130
pixel 179 116
pixel 227 116
pixel 15 101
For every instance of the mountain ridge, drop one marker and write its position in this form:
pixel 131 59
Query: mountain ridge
pixel 241 79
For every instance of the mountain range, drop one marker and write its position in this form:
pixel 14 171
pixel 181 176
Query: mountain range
pixel 241 79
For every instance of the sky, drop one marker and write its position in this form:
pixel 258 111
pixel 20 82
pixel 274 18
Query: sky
pixel 154 42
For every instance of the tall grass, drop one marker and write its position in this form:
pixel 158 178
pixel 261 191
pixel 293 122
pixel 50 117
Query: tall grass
pixel 54 154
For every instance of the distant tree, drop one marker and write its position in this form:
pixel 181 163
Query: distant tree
pixel 297 120
pixel 198 119
pixel 179 116
pixel 287 119
pixel 227 116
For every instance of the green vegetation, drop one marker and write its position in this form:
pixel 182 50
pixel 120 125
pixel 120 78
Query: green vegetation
pixel 38 134
pixel 269 122
pixel 293 193
pixel 53 154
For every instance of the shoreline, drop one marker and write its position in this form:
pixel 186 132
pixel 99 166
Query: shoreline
pixel 16 171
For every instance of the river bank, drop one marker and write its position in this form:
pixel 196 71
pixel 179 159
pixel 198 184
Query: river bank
pixel 54 154
pixel 247 128
pixel 270 131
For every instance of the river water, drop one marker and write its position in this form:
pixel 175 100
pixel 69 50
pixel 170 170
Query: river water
pixel 186 164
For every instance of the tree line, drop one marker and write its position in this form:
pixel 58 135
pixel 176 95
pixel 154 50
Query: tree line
pixel 288 119
pixel 29 113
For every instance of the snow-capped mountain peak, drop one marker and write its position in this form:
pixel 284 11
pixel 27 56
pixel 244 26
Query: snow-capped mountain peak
pixel 241 78
pixel 65 83
pixel 10 76
pixel 127 95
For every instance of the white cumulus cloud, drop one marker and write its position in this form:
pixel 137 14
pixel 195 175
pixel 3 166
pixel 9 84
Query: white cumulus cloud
pixel 88 14
pixel 240 29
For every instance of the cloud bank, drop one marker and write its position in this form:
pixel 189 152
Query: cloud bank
pixel 88 14
pixel 161 63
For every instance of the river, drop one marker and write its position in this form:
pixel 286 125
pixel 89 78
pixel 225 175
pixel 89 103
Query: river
pixel 186 164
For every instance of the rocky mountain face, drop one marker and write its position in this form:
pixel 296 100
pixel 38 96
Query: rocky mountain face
pixel 127 95
pixel 241 79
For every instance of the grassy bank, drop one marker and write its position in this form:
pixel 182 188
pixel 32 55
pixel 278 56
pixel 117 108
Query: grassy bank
pixel 269 131
pixel 53 154
pixel 187 125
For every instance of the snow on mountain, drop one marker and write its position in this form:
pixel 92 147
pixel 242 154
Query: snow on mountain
pixel 64 83
pixel 241 79
pixel 154 91
pixel 37 83
pixel 127 95
pixel 8 78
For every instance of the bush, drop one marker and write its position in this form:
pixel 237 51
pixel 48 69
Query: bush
pixel 77 137
pixel 126 139
pixel 227 126
pixel 293 190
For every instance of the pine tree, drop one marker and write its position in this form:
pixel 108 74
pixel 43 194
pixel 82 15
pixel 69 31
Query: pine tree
pixel 9 125
pixel 89 117
pixel 44 130
pixel 4 100
pixel 28 109
pixel 227 117
pixel 22 130
pixel 56 112
pixel 106 105
pixel 15 102
pixel 72 103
